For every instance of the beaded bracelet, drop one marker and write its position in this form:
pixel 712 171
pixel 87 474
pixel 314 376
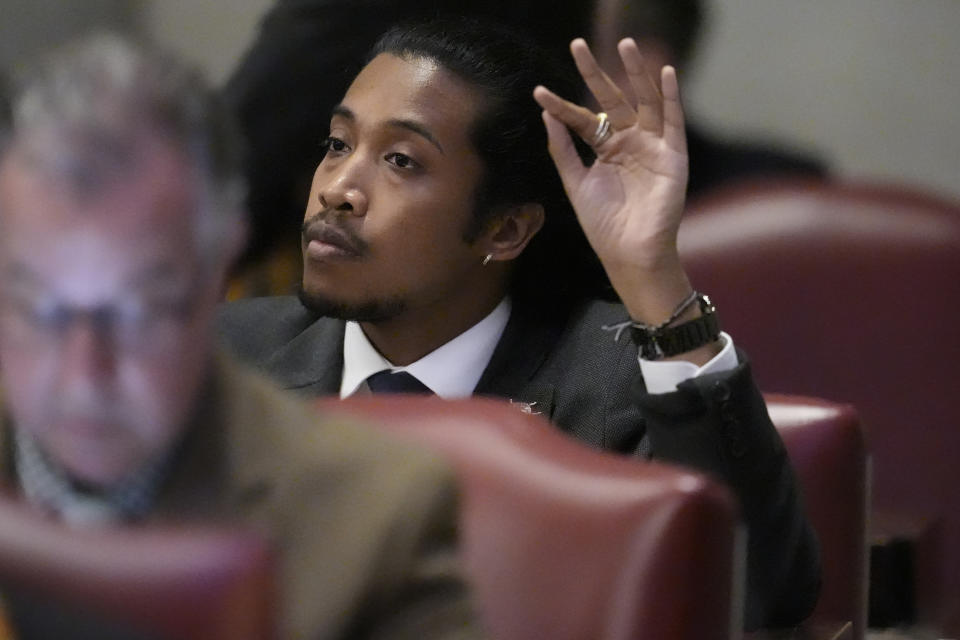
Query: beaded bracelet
pixel 620 327
pixel 681 308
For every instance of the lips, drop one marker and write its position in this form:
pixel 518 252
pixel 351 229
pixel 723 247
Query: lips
pixel 326 241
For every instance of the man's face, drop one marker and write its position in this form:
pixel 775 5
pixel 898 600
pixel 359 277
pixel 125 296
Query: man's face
pixel 393 198
pixel 104 312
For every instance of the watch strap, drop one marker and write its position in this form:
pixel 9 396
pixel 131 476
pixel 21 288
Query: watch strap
pixel 664 342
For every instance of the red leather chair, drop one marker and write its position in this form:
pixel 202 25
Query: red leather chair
pixel 160 583
pixel 565 542
pixel 828 453
pixel 851 293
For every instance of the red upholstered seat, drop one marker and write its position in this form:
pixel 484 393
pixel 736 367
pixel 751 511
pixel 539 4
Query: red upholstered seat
pixel 565 542
pixel 851 293
pixel 827 450
pixel 161 583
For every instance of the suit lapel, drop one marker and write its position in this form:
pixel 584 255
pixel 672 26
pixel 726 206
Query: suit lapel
pixel 313 361
pixel 198 477
pixel 522 351
pixel 222 470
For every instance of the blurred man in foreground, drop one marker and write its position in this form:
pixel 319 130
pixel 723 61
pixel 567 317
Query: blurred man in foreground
pixel 120 208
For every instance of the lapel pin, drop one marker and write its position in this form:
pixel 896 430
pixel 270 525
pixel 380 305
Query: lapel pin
pixel 525 407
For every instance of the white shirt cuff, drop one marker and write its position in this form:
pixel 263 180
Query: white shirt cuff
pixel 663 376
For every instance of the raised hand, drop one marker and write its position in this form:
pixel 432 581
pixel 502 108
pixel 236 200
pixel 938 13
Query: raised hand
pixel 630 200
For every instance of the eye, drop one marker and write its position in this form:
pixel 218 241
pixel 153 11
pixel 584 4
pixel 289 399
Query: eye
pixel 402 161
pixel 333 144
pixel 44 313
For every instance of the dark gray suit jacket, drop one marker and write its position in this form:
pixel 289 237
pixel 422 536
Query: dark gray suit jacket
pixel 590 386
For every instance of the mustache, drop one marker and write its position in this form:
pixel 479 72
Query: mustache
pixel 317 228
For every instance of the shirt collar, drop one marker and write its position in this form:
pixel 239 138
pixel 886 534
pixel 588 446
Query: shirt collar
pixel 45 485
pixel 451 371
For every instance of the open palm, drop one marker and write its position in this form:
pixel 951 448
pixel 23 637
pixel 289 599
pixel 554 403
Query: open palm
pixel 630 200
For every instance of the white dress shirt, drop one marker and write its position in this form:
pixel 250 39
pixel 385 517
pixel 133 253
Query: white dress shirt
pixel 450 371
pixel 454 369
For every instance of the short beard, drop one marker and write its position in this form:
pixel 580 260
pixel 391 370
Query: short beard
pixel 370 311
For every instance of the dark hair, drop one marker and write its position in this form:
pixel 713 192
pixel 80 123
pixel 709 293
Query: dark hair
pixel 678 23
pixel 558 267
pixel 300 65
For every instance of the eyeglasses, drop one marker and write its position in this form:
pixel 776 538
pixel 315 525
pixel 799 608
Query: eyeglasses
pixel 133 325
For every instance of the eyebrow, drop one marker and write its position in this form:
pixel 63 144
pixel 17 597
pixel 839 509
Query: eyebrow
pixel 410 125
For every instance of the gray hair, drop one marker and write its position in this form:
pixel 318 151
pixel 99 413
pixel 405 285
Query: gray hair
pixel 82 112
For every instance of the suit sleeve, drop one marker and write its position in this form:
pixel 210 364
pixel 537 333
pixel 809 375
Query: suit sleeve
pixel 718 423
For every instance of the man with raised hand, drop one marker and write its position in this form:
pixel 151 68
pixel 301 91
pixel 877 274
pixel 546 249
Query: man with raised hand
pixel 441 253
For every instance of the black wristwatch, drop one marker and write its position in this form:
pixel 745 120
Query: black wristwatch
pixel 663 342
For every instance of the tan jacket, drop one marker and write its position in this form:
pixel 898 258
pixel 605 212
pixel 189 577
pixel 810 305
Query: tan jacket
pixel 365 525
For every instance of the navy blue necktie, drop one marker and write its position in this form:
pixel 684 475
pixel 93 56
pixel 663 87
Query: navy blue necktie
pixel 396 382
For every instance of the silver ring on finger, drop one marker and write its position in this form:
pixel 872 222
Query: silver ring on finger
pixel 603 131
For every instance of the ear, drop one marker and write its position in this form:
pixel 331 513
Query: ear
pixel 510 230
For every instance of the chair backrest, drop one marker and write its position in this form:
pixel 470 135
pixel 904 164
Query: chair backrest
pixel 565 542
pixel 828 452
pixel 137 582
pixel 851 293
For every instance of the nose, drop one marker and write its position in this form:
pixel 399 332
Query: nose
pixel 87 359
pixel 340 185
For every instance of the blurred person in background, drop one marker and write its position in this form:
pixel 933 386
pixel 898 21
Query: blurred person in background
pixel 668 33
pixel 121 211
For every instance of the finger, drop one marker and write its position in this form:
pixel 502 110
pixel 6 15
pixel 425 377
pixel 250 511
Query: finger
pixel 674 131
pixel 607 93
pixel 564 154
pixel 580 119
pixel 649 99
